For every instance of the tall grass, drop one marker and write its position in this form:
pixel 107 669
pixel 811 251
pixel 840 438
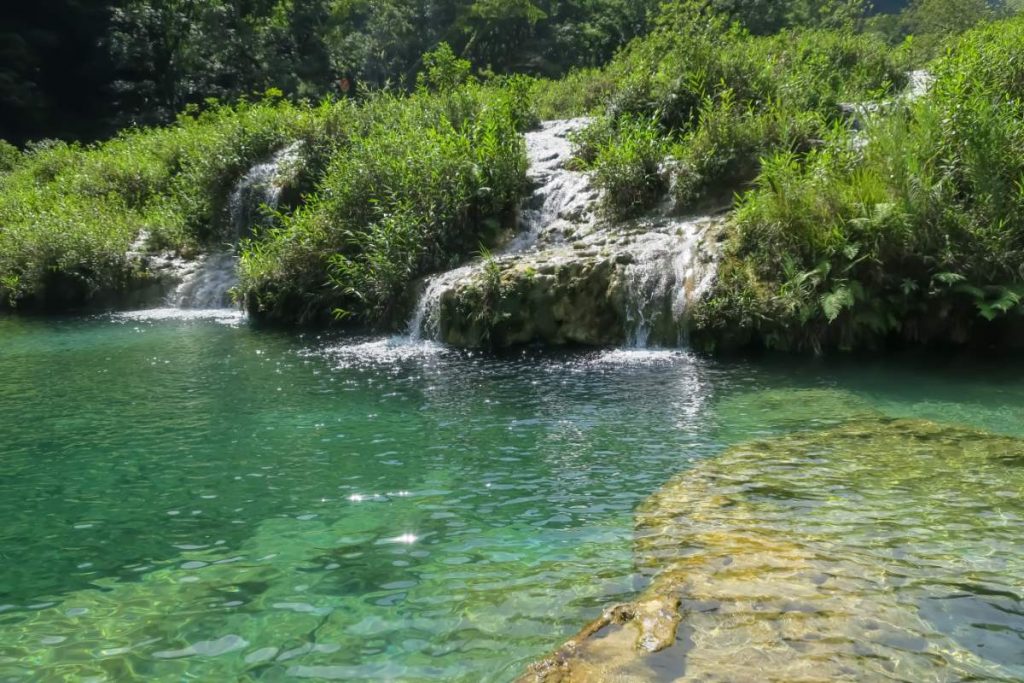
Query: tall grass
pixel 396 186
pixel 721 99
pixel 915 233
pixel 419 185
pixel 69 213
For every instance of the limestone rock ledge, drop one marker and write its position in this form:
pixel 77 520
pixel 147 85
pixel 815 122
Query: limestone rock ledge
pixel 817 555
pixel 628 284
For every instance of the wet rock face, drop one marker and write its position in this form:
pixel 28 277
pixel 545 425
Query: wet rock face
pixel 568 278
pixel 624 285
pixel 562 299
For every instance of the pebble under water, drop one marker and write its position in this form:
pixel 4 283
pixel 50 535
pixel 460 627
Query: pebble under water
pixel 189 498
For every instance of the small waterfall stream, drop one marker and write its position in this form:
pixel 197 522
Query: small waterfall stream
pixel 662 262
pixel 666 275
pixel 209 285
pixel 425 324
pixel 561 203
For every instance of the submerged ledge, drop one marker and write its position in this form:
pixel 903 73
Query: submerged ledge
pixel 877 549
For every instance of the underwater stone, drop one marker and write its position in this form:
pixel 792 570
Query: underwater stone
pixel 820 555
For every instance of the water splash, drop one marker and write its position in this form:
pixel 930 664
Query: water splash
pixel 669 270
pixel 209 285
pixel 426 318
pixel 375 353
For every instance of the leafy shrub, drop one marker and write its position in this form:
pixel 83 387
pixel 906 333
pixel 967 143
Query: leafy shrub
pixel 721 99
pixel 916 233
pixel 10 156
pixel 419 184
pixel 628 168
pixel 578 93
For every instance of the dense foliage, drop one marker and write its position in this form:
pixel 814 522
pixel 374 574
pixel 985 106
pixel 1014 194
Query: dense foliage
pixel 400 184
pixel 414 187
pixel 696 105
pixel 69 213
pixel 858 215
pixel 84 68
pixel 913 229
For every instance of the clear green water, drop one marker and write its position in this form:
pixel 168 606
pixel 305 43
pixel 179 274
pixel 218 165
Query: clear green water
pixel 188 499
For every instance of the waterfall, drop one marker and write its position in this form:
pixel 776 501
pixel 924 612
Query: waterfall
pixel 426 318
pixel 208 286
pixel 658 266
pixel 562 201
pixel 665 274
pixel 261 187
pixel 560 205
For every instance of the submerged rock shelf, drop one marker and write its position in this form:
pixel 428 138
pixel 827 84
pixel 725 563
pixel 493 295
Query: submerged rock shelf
pixel 850 553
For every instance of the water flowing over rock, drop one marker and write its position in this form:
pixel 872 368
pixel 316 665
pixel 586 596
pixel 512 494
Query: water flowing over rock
pixel 569 278
pixel 207 283
pixel 261 187
pixel 426 319
pixel 562 201
pixel 919 83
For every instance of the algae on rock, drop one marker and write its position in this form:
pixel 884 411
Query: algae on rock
pixel 878 549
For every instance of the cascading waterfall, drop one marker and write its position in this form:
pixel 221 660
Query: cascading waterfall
pixel 426 319
pixel 665 276
pixel 209 285
pixel 662 263
pixel 562 201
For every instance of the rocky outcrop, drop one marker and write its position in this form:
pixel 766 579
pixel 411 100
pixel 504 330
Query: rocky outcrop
pixel 569 278
pixel 628 285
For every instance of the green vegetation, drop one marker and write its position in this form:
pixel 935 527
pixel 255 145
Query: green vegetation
pixel 69 212
pixel 858 215
pixel 82 70
pixel 913 231
pixel 399 185
pixel 698 103
pixel 416 186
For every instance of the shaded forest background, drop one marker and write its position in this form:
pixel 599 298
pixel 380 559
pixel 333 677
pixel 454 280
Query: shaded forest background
pixel 82 69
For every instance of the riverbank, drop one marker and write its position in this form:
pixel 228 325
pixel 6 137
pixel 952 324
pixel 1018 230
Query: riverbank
pixel 800 192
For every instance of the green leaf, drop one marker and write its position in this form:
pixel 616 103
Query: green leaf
pixel 835 302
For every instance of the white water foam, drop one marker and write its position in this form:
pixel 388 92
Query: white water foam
pixel 209 285
pixel 380 352
pixel 223 316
